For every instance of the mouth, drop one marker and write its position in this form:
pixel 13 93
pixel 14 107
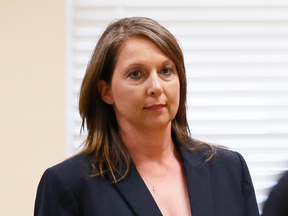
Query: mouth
pixel 155 107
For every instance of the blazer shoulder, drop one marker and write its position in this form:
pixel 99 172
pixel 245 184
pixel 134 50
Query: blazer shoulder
pixel 204 151
pixel 75 162
pixel 226 155
pixel 59 187
pixel 200 154
pixel 71 170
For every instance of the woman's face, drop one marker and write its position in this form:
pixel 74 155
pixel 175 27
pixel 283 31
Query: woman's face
pixel 145 88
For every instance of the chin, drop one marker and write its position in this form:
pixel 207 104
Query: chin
pixel 159 123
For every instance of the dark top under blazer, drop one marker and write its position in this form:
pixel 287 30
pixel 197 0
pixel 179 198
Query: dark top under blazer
pixel 220 187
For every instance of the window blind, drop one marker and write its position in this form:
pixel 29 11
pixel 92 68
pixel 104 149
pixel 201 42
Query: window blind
pixel 236 56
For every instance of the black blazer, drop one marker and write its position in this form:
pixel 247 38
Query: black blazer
pixel 220 187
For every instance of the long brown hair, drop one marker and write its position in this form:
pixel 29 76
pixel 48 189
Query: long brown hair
pixel 103 141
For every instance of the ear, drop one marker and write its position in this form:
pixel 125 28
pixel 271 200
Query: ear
pixel 105 92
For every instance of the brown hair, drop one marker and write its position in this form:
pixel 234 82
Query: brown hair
pixel 103 140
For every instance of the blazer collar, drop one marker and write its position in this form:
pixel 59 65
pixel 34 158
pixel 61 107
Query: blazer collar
pixel 197 176
pixel 137 194
pixel 198 183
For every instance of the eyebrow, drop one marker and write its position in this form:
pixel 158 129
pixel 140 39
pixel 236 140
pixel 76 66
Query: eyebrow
pixel 135 64
pixel 140 64
pixel 168 61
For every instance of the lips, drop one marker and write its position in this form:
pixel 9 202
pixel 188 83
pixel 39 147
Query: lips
pixel 155 107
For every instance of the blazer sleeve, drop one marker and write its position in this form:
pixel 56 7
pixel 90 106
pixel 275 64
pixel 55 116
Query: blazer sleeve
pixel 54 196
pixel 251 207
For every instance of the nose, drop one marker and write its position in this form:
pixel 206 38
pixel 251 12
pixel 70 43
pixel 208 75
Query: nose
pixel 154 87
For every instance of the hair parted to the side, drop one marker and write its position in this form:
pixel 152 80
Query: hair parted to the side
pixel 103 140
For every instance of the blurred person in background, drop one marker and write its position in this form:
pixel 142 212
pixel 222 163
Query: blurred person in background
pixel 139 157
pixel 277 202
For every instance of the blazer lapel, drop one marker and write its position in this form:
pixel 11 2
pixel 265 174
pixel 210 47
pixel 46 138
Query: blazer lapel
pixel 198 183
pixel 137 194
pixel 198 180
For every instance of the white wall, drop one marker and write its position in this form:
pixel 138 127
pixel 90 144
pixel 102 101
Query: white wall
pixel 32 95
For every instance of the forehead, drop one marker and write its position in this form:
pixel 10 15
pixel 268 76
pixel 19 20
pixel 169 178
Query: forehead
pixel 134 44
pixel 137 49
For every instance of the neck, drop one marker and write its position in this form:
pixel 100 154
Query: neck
pixel 148 143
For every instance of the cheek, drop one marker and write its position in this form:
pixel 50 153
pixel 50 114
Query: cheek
pixel 126 97
pixel 173 95
pixel 175 91
pixel 177 100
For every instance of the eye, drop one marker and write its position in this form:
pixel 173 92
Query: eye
pixel 167 70
pixel 135 74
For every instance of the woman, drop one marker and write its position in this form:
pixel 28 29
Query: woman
pixel 138 158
